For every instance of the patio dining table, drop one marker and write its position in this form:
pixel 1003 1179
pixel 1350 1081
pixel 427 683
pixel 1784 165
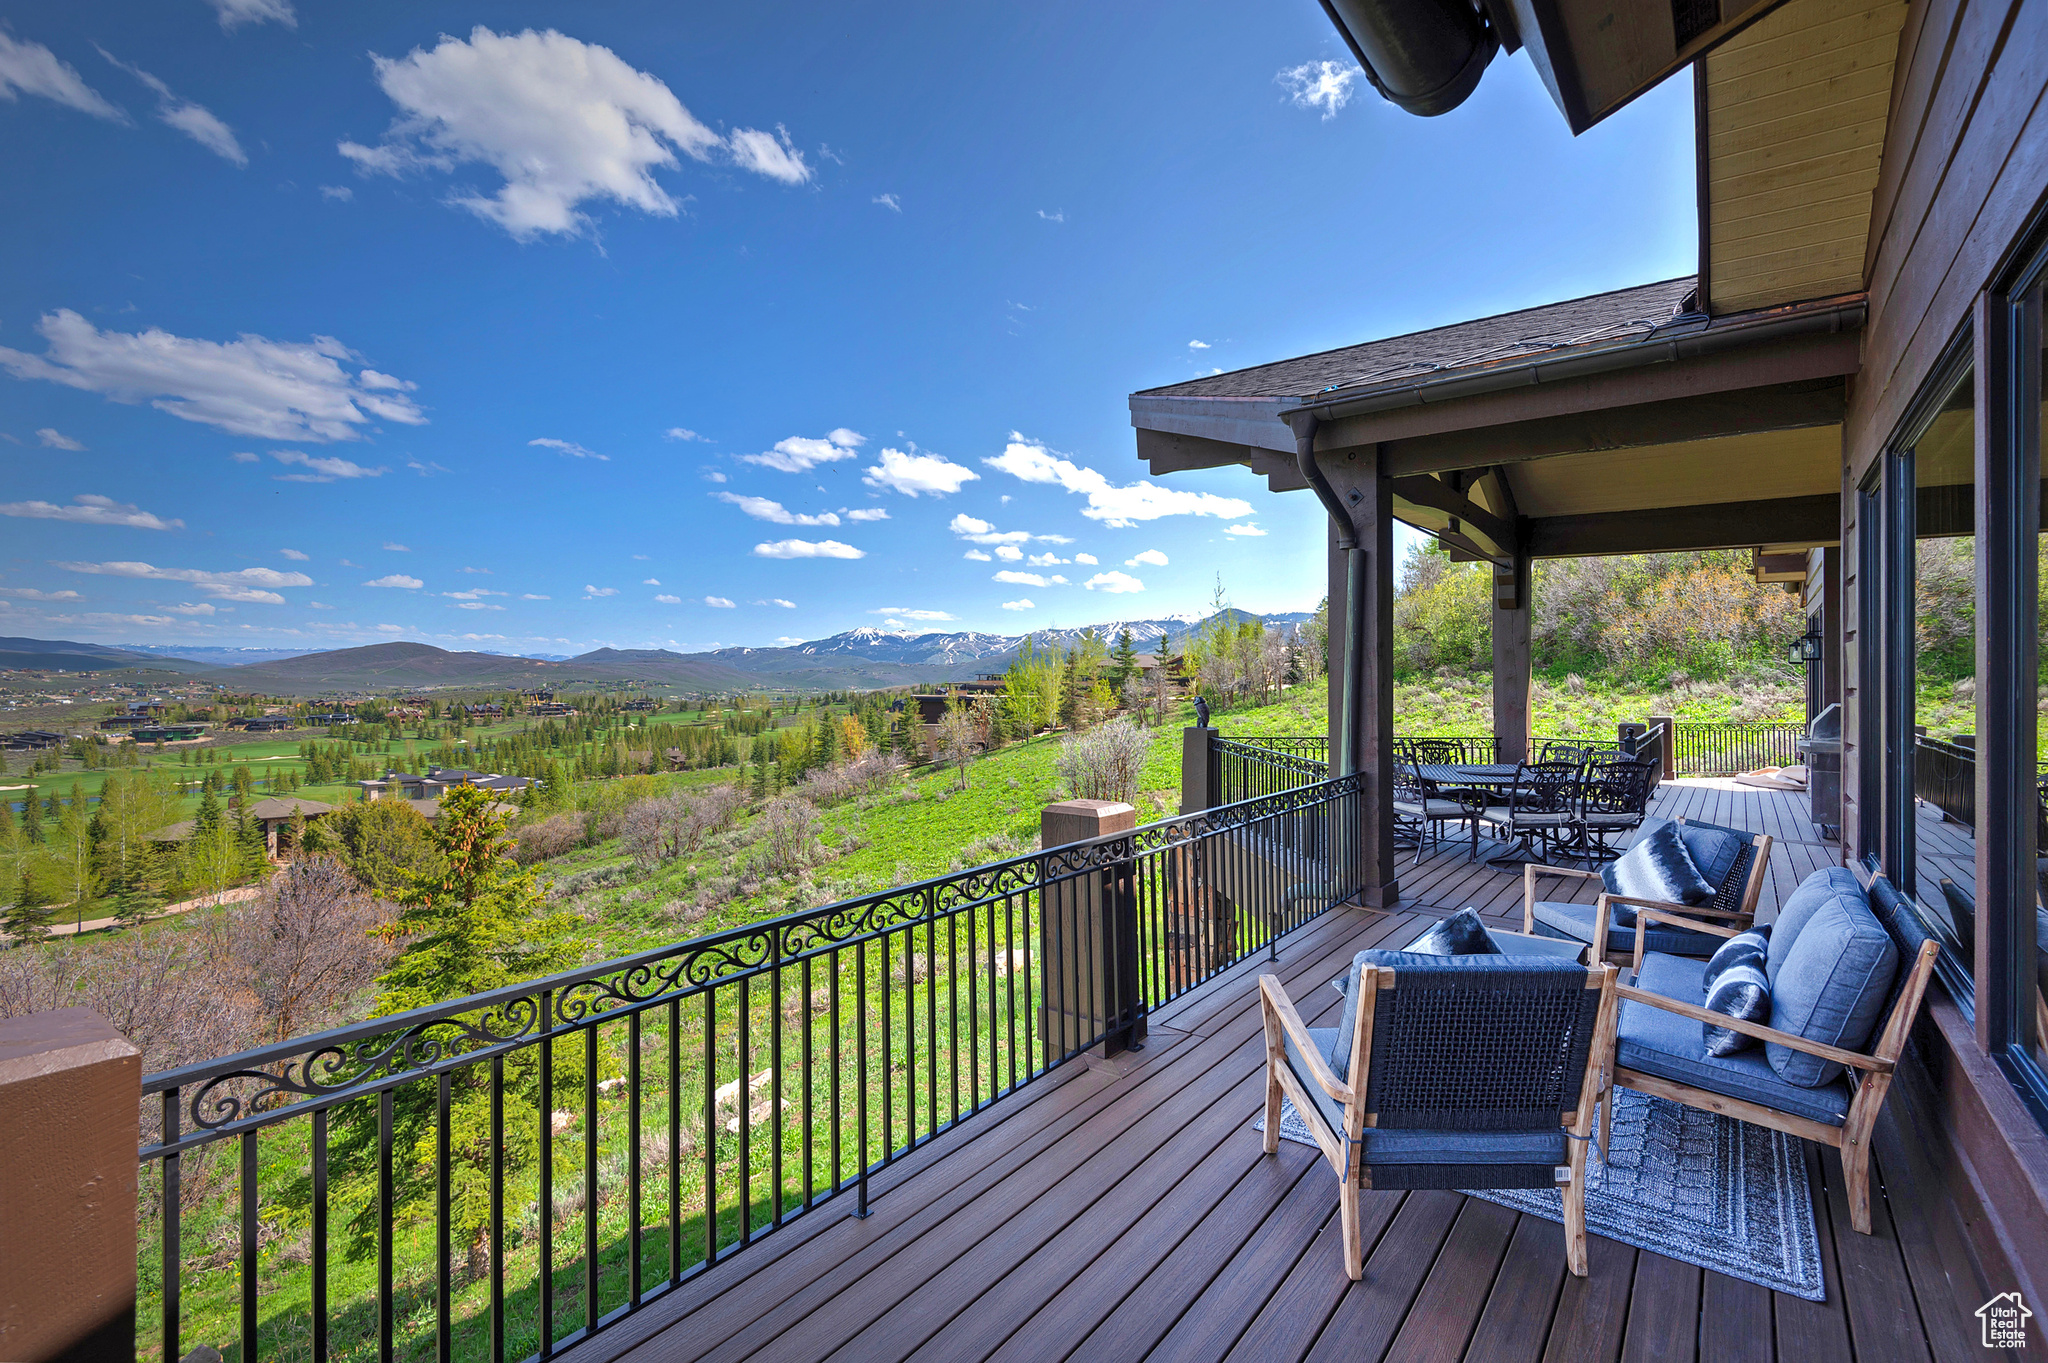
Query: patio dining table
pixel 1490 776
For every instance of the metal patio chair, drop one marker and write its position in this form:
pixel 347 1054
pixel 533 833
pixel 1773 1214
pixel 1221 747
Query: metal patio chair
pixel 1541 810
pixel 1423 810
pixel 1614 798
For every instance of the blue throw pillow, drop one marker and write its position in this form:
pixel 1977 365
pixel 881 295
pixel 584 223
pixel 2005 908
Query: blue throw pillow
pixel 1462 934
pixel 1658 867
pixel 1830 987
pixel 1735 984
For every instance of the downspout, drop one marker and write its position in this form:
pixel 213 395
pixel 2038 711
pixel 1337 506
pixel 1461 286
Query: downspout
pixel 1304 425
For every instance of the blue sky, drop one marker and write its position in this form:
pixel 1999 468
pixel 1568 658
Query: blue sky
pixel 543 327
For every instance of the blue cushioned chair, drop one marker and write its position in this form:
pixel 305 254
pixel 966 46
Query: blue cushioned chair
pixel 1845 962
pixel 1448 1072
pixel 1736 865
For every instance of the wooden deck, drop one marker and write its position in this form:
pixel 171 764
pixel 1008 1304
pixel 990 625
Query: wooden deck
pixel 1123 1209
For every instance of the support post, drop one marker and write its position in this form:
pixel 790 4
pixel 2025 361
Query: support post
pixel 70 1103
pixel 1670 746
pixel 1512 590
pixel 1201 771
pixel 1089 922
pixel 1360 479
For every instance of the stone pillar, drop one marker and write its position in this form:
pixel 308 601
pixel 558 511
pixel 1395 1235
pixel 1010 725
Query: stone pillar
pixel 1511 601
pixel 70 1098
pixel 1088 925
pixel 1200 771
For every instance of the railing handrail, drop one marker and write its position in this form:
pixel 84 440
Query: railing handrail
pixel 989 882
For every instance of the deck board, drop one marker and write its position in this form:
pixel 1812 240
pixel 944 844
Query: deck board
pixel 1125 1209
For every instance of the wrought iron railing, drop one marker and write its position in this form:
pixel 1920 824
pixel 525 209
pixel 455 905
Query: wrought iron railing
pixel 503 1175
pixel 1945 776
pixel 1725 749
pixel 1251 767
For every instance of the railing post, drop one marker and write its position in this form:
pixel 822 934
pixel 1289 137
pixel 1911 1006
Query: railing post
pixel 1670 746
pixel 70 1123
pixel 1201 771
pixel 1090 921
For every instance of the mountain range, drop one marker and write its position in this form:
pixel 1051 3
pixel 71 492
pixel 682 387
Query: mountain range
pixel 858 658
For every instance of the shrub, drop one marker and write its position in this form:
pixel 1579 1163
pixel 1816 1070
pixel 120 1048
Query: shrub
pixel 1104 763
pixel 832 785
pixel 789 836
pixel 387 843
pixel 554 836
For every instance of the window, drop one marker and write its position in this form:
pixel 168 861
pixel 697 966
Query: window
pixel 2026 966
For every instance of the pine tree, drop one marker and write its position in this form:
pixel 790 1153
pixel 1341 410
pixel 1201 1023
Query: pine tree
pixel 1123 661
pixel 32 820
pixel 208 817
pixel 28 916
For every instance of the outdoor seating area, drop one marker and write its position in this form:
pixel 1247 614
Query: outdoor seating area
pixel 1131 1207
pixel 1570 801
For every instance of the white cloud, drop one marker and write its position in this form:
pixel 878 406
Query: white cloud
pixel 668 600
pixel 1150 558
pixel 713 476
pixel 1046 560
pixel 807 549
pixel 777 601
pixel 33 594
pixel 910 614
pixel 766 509
pixel 865 513
pixel 1113 582
pixel 389 629
pixel 1088 559
pixel 1198 345
pixel 788 639
pixel 90 508
pixel 888 201
pixel 650 582
pixel 530 596
pixel 426 470
pixel 977 531
pixel 103 618
pixel 396 580
pixel 561 121
pixel 769 154
pixel 195 121
pixel 246 457
pixel 570 448
pixel 590 592
pixel 800 453
pixel 683 433
pixel 473 594
pixel 321 468
pixel 1023 604
pixel 720 602
pixel 914 474
pixel 477 606
pixel 640 558
pixel 394 547
pixel 1247 530
pixel 1017 579
pixel 1060 216
pixel 32 69
pixel 1324 85
pixel 340 192
pixel 192 608
pixel 274 390
pixel 245 584
pixel 1009 553
pixel 294 555
pixel 55 439
pixel 234 13
pixel 978 556
pixel 1124 506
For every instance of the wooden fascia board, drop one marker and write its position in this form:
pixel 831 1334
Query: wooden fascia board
pixel 1729 525
pixel 1672 421
pixel 1820 355
pixel 1254 422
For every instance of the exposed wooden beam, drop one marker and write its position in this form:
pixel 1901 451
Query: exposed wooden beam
pixel 1731 525
pixel 1170 452
pixel 1704 417
pixel 1423 490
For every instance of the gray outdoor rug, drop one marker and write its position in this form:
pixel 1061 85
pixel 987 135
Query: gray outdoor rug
pixel 1694 1186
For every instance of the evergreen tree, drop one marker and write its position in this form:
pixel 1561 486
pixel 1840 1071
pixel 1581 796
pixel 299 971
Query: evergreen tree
pixel 476 923
pixel 208 817
pixel 1123 661
pixel 28 916
pixel 32 820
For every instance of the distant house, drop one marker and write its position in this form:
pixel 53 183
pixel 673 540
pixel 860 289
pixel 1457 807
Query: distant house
pixel 170 733
pixel 552 709
pixel 127 721
pixel 332 717
pixel 438 781
pixel 30 739
pixel 490 710
pixel 266 724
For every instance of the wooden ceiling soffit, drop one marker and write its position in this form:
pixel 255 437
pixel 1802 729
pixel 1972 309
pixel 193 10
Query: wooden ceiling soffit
pixel 1759 466
pixel 1791 122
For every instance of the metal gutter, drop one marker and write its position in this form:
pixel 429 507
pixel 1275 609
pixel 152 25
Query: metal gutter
pixel 1706 338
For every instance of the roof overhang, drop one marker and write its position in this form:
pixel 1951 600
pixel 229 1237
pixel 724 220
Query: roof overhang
pixel 1712 434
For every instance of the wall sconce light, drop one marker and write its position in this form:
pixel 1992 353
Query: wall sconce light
pixel 1807 647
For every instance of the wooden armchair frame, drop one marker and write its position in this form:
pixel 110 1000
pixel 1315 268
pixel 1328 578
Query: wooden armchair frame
pixel 1870 1072
pixel 1691 916
pixel 1344 1149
